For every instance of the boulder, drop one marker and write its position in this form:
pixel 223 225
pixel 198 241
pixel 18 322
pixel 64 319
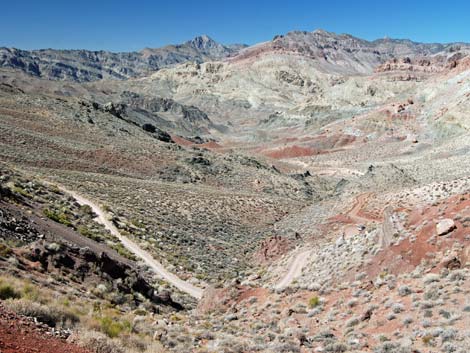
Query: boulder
pixel 452 263
pixel 445 226
pixel 149 128
pixel 163 136
pixel 116 109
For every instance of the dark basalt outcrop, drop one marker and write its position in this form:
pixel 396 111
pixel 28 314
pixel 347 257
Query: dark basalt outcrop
pixel 83 262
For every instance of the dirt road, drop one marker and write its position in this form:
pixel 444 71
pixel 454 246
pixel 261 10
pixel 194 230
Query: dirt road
pixel 133 247
pixel 300 260
pixel 295 269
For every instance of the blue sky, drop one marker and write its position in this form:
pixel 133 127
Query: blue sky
pixel 133 25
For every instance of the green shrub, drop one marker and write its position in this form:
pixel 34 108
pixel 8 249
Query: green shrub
pixel 57 217
pixel 113 328
pixel 86 209
pixel 8 292
pixel 89 234
pixel 22 192
pixel 84 231
pixel 5 251
pixel 121 250
pixel 137 223
pixel 313 302
pixel 30 292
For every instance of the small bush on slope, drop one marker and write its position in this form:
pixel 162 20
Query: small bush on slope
pixel 8 292
pixel 52 316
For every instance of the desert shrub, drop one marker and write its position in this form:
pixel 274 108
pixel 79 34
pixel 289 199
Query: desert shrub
pixel 154 347
pixel 397 308
pixel 352 303
pixel 22 192
pixel 313 302
pixel 8 292
pixel 55 247
pixel 352 322
pixel 432 293
pixel 113 328
pixel 448 334
pixel 445 314
pixel 50 315
pixel 286 347
pixel 30 292
pixel 57 217
pixel 97 342
pixel 140 344
pixel 457 275
pixel 336 347
pixel 121 250
pixel 86 209
pixel 404 290
pixel 86 232
pixel 407 320
pixel 383 338
pixel 430 278
pixel 448 348
pixel 427 340
pixel 314 312
pixel 5 251
pixel 391 347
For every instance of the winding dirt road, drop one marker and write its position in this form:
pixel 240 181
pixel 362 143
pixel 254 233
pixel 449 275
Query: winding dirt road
pixel 300 260
pixel 295 269
pixel 133 247
pixel 386 230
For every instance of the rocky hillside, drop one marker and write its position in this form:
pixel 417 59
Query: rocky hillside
pixel 344 53
pixel 85 66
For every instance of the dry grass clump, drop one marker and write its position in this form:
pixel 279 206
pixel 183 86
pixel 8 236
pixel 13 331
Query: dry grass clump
pixel 25 298
pixel 51 315
pixel 97 342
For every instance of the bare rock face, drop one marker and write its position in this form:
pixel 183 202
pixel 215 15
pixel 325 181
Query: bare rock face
pixel 443 61
pixel 346 53
pixel 445 226
pixel 162 114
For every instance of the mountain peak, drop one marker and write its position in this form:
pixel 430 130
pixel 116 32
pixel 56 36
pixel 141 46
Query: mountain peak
pixel 321 31
pixel 204 42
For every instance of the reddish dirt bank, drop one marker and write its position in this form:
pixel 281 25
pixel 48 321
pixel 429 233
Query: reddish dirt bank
pixel 290 152
pixel 22 335
pixel 184 142
pixel 421 222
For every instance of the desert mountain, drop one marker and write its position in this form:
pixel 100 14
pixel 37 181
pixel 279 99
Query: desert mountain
pixel 85 65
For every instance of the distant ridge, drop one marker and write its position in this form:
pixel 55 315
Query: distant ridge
pixel 86 65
